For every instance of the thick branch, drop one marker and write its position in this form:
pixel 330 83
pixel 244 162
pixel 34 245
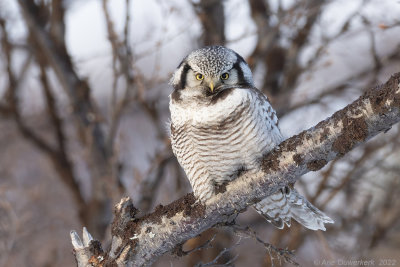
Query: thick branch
pixel 140 241
pixel 212 18
pixel 57 57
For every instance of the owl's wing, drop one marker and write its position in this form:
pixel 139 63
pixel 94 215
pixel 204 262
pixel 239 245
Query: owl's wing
pixel 286 203
pixel 266 116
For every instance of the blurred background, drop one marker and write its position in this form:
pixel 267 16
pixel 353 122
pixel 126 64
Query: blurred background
pixel 84 119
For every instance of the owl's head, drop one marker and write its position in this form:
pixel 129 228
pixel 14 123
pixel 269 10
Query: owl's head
pixel 210 70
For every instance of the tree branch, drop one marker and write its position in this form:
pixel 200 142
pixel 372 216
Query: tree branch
pixel 50 48
pixel 141 241
pixel 212 18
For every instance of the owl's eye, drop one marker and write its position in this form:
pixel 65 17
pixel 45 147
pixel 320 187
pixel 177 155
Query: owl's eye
pixel 225 76
pixel 199 77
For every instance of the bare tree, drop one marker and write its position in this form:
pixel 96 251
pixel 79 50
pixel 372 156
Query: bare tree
pixel 78 140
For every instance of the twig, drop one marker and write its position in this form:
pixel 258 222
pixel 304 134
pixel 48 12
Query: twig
pixel 122 60
pixel 205 245
pixel 284 254
pixel 215 260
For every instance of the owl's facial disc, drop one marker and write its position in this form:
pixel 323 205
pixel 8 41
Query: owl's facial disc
pixel 208 71
pixel 212 84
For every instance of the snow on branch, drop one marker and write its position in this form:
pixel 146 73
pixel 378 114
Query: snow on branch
pixel 141 241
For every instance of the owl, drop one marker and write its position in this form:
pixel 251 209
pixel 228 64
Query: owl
pixel 221 126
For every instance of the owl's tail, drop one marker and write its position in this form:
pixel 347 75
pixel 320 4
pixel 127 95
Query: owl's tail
pixel 287 203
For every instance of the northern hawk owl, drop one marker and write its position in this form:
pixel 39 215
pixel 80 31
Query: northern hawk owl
pixel 221 125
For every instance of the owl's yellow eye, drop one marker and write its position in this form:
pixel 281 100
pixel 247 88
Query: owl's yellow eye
pixel 225 76
pixel 199 77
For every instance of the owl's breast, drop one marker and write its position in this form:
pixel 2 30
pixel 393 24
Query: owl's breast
pixel 195 111
pixel 214 142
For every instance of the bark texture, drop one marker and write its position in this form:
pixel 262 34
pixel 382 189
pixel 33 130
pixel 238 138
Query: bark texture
pixel 141 241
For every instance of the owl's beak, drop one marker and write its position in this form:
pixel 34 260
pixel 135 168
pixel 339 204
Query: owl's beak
pixel 211 86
